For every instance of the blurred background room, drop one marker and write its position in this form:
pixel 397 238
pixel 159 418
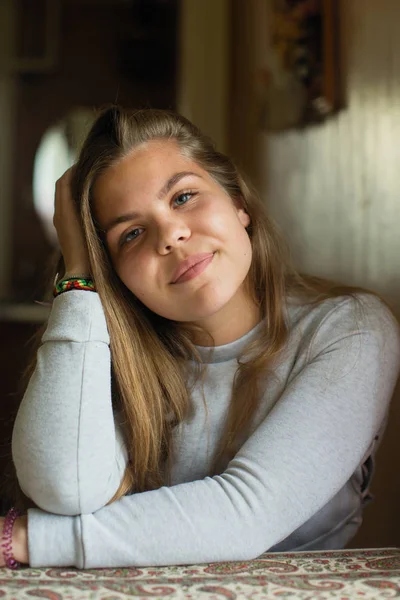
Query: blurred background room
pixel 303 94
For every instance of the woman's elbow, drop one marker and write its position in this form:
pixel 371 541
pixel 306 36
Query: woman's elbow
pixel 60 493
pixel 65 502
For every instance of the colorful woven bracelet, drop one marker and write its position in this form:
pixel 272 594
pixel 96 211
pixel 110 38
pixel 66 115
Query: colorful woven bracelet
pixel 6 539
pixel 74 283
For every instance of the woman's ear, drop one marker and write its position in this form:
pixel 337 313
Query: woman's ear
pixel 242 214
pixel 244 217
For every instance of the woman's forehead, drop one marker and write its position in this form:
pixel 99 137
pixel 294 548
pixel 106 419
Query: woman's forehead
pixel 146 166
pixel 148 172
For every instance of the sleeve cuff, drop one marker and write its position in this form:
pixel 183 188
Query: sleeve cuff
pixel 77 316
pixel 53 540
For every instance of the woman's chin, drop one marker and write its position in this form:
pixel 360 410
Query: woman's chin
pixel 202 306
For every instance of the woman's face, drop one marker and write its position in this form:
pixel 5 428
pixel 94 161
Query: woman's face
pixel 176 239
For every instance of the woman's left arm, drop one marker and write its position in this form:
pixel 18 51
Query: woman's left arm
pixel 292 465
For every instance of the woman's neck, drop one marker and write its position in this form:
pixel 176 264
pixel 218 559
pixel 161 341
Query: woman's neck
pixel 231 323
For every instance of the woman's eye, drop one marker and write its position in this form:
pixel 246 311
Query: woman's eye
pixel 183 198
pixel 130 236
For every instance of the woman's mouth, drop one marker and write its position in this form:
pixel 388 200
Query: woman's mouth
pixel 192 267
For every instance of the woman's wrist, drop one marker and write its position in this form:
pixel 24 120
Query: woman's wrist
pixel 74 273
pixel 20 540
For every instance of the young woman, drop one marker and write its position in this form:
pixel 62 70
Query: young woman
pixel 194 399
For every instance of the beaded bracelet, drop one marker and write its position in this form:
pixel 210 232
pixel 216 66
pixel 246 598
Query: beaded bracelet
pixel 6 538
pixel 74 283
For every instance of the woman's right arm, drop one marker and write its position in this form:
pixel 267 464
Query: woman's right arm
pixel 68 451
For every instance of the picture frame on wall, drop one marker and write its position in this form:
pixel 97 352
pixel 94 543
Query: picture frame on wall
pixel 301 80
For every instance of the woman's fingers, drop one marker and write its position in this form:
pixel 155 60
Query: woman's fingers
pixel 69 230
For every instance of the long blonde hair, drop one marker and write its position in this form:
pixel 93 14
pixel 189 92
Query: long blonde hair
pixel 149 354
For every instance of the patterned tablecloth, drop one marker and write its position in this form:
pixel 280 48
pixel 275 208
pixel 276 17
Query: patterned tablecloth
pixel 348 574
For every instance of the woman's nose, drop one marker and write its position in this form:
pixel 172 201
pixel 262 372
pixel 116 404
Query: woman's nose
pixel 172 234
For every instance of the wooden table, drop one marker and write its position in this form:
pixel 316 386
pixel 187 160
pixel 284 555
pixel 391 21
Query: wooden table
pixel 347 574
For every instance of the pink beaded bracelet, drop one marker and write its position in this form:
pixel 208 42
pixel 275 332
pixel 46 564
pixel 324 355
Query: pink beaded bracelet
pixel 6 538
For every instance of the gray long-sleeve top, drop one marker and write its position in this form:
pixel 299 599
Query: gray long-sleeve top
pixel 298 482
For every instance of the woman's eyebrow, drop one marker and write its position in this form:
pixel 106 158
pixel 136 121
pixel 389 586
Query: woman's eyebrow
pixel 121 219
pixel 173 180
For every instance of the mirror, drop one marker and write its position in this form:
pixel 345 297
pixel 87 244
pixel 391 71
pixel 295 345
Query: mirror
pixel 57 151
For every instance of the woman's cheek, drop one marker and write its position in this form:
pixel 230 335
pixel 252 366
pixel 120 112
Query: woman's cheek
pixel 127 273
pixel 217 225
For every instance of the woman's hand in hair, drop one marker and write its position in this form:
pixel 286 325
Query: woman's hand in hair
pixel 69 230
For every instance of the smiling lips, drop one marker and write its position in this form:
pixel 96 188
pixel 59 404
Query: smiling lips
pixel 192 266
